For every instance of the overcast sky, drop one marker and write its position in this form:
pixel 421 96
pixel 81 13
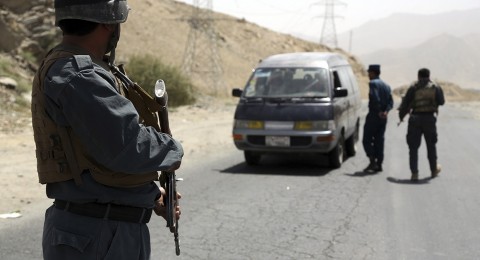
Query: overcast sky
pixel 303 16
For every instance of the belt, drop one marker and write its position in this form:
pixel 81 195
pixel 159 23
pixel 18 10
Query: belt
pixel 423 113
pixel 106 211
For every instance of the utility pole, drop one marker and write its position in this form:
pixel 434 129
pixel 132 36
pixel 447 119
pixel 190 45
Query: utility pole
pixel 201 61
pixel 329 31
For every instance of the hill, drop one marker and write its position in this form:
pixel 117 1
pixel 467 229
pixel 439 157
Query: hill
pixel 161 29
pixel 447 43
pixel 450 58
pixel 404 30
pixel 158 28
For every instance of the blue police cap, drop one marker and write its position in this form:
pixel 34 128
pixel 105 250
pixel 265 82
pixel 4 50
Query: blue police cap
pixel 374 67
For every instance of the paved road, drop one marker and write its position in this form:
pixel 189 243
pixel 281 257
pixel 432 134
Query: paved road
pixel 296 208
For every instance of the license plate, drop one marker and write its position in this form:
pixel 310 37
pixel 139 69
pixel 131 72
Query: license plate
pixel 277 140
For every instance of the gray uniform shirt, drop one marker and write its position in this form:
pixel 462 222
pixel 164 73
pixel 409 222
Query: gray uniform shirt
pixel 81 94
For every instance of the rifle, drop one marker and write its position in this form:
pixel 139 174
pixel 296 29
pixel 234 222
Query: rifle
pixel 168 178
pixel 153 110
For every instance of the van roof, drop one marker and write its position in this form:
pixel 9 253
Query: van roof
pixel 303 60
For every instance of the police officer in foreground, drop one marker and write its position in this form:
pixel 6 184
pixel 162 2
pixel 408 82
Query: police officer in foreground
pixel 380 102
pixel 98 161
pixel 421 101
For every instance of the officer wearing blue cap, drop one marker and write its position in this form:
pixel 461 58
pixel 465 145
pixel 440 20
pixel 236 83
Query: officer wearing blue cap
pixel 96 157
pixel 380 102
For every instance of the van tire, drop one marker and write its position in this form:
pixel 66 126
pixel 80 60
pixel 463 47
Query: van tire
pixel 351 143
pixel 337 154
pixel 252 158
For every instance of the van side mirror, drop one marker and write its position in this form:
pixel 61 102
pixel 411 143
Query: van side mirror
pixel 340 92
pixel 236 92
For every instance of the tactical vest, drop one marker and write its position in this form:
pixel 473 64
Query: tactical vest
pixel 60 153
pixel 424 99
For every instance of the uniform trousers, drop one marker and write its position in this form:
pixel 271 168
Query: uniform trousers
pixel 418 125
pixel 374 136
pixel 74 237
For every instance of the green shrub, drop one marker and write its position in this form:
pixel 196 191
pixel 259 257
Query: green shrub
pixel 146 70
pixel 28 56
pixel 9 69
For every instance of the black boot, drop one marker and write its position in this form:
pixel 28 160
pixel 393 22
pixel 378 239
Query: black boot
pixel 414 177
pixel 379 166
pixel 372 166
pixel 436 171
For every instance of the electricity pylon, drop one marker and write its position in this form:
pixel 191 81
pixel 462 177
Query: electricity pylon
pixel 329 31
pixel 201 61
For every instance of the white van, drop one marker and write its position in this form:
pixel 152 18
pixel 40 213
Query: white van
pixel 299 103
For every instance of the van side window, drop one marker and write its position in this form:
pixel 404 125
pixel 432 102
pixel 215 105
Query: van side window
pixel 336 80
pixel 345 79
pixel 353 79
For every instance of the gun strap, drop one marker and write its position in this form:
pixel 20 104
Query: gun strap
pixel 145 104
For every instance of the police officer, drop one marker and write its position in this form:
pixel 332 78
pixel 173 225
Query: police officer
pixel 98 161
pixel 380 102
pixel 422 100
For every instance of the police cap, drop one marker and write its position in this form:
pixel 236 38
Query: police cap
pixel 374 68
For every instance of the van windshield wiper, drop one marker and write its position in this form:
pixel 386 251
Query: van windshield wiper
pixel 303 99
pixel 279 99
pixel 295 99
pixel 254 99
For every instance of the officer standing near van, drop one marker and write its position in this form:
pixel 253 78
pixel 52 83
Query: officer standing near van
pixel 380 102
pixel 98 162
pixel 421 101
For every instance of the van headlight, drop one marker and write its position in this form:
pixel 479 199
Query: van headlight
pixel 327 125
pixel 248 124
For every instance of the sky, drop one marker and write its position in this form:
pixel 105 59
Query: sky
pixel 304 17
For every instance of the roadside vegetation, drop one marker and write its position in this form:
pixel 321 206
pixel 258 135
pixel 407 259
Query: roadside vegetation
pixel 13 98
pixel 146 70
pixel 8 68
pixel 14 102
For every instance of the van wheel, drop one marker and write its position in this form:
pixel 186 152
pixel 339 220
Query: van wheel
pixel 252 158
pixel 351 143
pixel 337 154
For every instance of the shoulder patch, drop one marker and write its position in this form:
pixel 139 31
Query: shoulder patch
pixel 84 62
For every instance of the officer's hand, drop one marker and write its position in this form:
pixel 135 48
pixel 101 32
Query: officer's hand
pixel 174 166
pixel 383 115
pixel 160 208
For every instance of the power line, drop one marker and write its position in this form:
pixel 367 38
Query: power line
pixel 201 60
pixel 329 31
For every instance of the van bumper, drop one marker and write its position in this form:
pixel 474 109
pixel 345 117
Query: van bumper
pixel 287 142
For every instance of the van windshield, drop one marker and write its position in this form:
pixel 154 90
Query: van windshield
pixel 288 82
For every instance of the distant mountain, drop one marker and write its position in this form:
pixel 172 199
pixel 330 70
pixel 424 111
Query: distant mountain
pixel 403 30
pixel 447 43
pixel 450 58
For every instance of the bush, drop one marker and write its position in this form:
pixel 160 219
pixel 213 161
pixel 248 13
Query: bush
pixel 9 69
pixel 146 70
